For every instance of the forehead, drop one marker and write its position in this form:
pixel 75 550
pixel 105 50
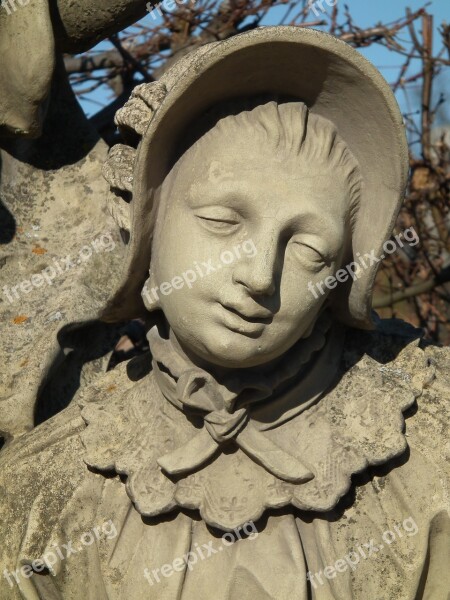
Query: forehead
pixel 242 175
pixel 219 156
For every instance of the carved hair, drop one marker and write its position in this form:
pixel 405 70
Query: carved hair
pixel 285 130
pixel 284 127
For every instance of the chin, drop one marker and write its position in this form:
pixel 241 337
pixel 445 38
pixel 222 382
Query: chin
pixel 237 351
pixel 238 361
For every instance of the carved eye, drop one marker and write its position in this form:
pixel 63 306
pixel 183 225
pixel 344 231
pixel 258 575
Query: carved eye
pixel 218 219
pixel 308 254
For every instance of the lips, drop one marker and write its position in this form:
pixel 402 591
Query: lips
pixel 261 315
pixel 247 322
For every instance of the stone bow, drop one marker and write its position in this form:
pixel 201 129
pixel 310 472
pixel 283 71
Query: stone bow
pixel 196 391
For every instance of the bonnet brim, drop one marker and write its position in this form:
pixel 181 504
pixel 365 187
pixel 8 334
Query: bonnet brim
pixel 329 76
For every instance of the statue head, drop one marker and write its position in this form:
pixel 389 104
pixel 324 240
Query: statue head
pixel 257 210
pixel 284 138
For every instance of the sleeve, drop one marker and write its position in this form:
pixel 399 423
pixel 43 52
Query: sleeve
pixel 26 68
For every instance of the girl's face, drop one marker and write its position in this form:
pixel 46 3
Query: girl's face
pixel 239 237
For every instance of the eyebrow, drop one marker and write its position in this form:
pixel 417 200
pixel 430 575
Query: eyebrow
pixel 212 193
pixel 239 192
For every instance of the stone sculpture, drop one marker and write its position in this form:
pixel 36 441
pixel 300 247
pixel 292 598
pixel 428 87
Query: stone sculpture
pixel 52 204
pixel 263 453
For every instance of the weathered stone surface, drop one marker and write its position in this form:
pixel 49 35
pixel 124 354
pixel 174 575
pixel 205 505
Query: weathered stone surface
pixel 261 413
pixel 53 206
pixel 408 490
pixel 53 203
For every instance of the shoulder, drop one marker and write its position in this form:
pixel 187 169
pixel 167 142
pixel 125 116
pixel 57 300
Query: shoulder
pixel 41 471
pixel 396 359
pixel 56 447
pixel 38 474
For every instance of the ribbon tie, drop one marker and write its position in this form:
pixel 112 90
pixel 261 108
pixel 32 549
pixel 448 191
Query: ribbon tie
pixel 225 410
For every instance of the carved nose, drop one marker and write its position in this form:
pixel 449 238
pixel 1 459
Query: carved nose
pixel 257 274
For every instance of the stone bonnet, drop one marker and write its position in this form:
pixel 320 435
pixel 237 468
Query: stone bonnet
pixel 331 78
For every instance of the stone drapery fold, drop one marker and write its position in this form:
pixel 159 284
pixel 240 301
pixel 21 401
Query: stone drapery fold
pixel 171 459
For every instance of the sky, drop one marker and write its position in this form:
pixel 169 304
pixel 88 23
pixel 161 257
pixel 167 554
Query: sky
pixel 369 12
pixel 366 13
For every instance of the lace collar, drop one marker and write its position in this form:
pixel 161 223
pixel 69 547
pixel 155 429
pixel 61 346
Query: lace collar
pixel 232 449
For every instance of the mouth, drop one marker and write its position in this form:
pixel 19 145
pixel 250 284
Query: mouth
pixel 251 324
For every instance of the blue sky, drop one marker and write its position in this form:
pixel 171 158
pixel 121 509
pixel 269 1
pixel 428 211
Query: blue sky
pixel 365 13
pixel 369 12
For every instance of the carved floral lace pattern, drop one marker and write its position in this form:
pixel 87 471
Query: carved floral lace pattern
pixel 359 423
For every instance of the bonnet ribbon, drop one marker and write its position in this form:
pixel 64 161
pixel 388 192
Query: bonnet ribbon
pixel 225 406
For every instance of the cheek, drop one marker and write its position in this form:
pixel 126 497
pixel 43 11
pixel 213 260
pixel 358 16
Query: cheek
pixel 193 289
pixel 202 271
pixel 174 254
pixel 296 298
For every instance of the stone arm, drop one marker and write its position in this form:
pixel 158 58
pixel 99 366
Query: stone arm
pixel 32 34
